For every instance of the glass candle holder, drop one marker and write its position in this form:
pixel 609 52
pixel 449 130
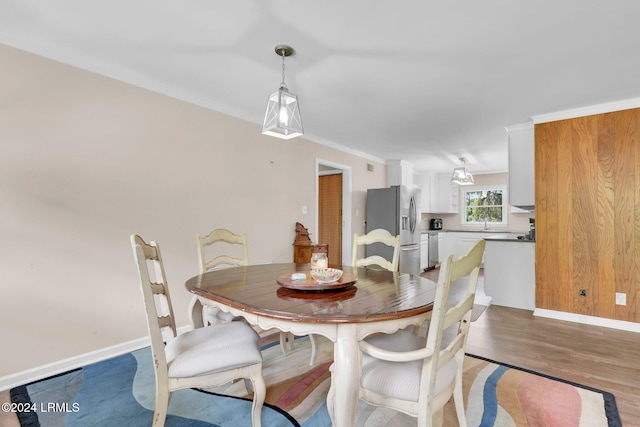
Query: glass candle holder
pixel 319 260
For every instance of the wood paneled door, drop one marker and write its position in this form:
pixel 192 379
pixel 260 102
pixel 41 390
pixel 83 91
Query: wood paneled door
pixel 330 215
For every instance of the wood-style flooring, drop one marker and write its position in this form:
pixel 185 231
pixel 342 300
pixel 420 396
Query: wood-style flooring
pixel 602 358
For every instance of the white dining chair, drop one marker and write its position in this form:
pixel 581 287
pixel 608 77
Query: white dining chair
pixel 381 236
pixel 417 375
pixel 223 240
pixel 200 358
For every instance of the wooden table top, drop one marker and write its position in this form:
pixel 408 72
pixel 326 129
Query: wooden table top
pixel 377 295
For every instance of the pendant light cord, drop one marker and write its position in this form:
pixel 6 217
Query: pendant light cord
pixel 283 84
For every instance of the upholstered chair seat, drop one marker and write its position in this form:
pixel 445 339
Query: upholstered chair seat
pixel 204 351
pixel 199 358
pixel 401 380
pixel 417 375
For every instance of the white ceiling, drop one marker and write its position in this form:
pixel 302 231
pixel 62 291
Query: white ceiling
pixel 424 81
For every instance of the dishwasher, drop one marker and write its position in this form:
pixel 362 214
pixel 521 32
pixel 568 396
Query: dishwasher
pixel 433 250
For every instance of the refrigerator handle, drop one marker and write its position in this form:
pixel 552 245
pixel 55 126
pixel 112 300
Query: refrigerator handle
pixel 406 248
pixel 412 214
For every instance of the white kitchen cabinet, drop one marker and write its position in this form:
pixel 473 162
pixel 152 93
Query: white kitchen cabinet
pixel 426 182
pixel 459 243
pixel 521 147
pixel 399 172
pixel 467 240
pixel 447 195
pixel 509 273
pixel 447 244
pixel 439 195
pixel 424 251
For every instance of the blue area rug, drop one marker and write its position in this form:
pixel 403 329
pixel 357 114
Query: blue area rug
pixel 120 392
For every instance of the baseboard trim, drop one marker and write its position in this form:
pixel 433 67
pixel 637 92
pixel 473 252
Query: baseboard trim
pixel 74 362
pixel 588 320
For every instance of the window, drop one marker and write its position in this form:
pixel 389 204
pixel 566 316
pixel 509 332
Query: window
pixel 484 205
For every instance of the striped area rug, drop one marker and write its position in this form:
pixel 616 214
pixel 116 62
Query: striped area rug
pixel 292 384
pixel 495 394
pixel 500 395
pixel 121 391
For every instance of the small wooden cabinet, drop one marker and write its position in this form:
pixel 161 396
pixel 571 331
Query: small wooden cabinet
pixel 302 251
pixel 303 247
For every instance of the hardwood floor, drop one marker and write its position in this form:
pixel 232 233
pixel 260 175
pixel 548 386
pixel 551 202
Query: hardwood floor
pixel 602 358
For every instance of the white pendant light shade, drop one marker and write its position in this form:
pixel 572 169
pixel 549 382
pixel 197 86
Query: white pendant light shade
pixel 461 175
pixel 282 118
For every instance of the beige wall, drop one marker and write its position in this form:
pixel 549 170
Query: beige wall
pixel 86 161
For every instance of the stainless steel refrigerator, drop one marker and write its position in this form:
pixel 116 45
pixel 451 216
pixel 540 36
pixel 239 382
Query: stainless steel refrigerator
pixel 396 209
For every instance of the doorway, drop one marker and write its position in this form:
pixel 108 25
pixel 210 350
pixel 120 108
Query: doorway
pixel 333 204
pixel 330 214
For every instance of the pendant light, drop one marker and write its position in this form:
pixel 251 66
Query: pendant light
pixel 461 175
pixel 282 118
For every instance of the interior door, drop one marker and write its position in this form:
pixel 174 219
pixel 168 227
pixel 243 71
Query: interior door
pixel 330 215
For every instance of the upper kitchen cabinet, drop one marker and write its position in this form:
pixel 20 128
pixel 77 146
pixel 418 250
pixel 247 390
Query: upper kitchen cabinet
pixel 521 165
pixel 399 172
pixel 425 181
pixel 439 195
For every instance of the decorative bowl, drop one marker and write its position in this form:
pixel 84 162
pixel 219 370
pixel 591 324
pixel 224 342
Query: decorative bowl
pixel 325 275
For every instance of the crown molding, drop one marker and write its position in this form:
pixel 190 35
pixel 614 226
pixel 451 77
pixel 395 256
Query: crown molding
pixel 587 111
pixel 519 127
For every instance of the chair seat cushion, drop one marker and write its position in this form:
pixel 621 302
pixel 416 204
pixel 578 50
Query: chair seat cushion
pixel 214 348
pixel 400 380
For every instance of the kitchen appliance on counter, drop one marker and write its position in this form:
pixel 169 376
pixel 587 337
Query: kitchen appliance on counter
pixel 435 224
pixel 396 209
pixel 532 231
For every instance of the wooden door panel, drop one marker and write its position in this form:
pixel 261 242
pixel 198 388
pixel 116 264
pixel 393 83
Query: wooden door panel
pixel 330 215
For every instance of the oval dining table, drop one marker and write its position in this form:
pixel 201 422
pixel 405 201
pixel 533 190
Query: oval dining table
pixel 364 301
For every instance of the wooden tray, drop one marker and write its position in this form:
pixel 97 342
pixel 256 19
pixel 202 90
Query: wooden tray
pixel 310 284
pixel 317 297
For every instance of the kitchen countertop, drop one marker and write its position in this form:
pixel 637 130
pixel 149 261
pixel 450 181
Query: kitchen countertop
pixel 508 237
pixel 478 231
pixel 496 236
